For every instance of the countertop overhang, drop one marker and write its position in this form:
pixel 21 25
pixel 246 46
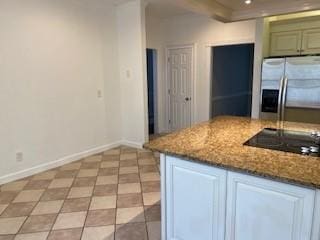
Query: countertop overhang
pixel 219 142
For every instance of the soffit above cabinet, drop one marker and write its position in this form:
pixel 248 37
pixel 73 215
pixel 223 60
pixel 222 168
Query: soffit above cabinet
pixel 295 24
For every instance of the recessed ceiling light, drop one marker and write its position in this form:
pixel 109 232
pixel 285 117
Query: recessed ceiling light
pixel 248 2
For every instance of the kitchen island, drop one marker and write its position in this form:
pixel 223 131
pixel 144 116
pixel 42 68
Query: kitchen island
pixel 214 187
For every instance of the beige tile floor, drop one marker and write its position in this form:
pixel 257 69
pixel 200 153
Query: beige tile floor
pixel 114 195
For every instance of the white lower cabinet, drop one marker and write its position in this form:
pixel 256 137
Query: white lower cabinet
pixel 201 202
pixel 195 201
pixel 260 209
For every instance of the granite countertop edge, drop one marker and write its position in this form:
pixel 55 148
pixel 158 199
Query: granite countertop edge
pixel 179 144
pixel 236 169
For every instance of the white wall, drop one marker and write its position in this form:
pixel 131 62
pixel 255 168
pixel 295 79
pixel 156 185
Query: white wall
pixel 203 32
pixel 132 66
pixel 259 52
pixel 54 57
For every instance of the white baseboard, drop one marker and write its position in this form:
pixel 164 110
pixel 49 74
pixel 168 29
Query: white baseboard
pixel 65 160
pixel 57 163
pixel 132 144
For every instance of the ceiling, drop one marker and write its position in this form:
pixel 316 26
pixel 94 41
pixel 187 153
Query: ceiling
pixel 229 10
pixel 261 8
pixel 165 9
pixel 240 5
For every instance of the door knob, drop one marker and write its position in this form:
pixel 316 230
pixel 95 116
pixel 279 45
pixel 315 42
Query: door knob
pixel 187 99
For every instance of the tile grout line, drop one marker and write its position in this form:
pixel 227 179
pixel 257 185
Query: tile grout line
pixel 116 210
pixel 87 212
pixel 65 198
pixel 144 207
pixel 27 217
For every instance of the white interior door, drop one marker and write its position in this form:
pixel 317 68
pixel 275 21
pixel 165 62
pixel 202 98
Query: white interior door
pixel 180 79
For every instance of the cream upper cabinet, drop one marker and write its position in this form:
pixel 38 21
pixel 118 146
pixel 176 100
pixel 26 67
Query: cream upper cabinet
pixel 285 43
pixel 293 37
pixel 311 41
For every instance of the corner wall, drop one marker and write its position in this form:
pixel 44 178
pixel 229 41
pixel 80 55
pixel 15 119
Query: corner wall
pixel 59 87
pixel 132 68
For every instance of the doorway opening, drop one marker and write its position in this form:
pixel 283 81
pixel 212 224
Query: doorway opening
pixel 152 89
pixel 232 78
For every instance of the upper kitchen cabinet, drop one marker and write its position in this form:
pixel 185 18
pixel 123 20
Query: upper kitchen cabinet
pixel 294 37
pixel 311 41
pixel 285 43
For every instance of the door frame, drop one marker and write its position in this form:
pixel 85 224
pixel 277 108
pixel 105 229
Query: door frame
pixel 192 46
pixel 155 56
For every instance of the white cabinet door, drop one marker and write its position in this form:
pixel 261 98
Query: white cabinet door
pixel 259 209
pixel 311 41
pixel 316 218
pixel 285 43
pixel 195 201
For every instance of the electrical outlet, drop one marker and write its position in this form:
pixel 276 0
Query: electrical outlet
pixel 19 156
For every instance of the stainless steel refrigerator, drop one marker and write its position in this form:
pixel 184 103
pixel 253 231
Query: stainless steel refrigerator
pixel 290 89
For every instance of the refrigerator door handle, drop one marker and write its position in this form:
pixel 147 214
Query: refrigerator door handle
pixel 284 97
pixel 280 98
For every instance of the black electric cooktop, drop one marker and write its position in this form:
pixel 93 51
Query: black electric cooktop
pixel 287 141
